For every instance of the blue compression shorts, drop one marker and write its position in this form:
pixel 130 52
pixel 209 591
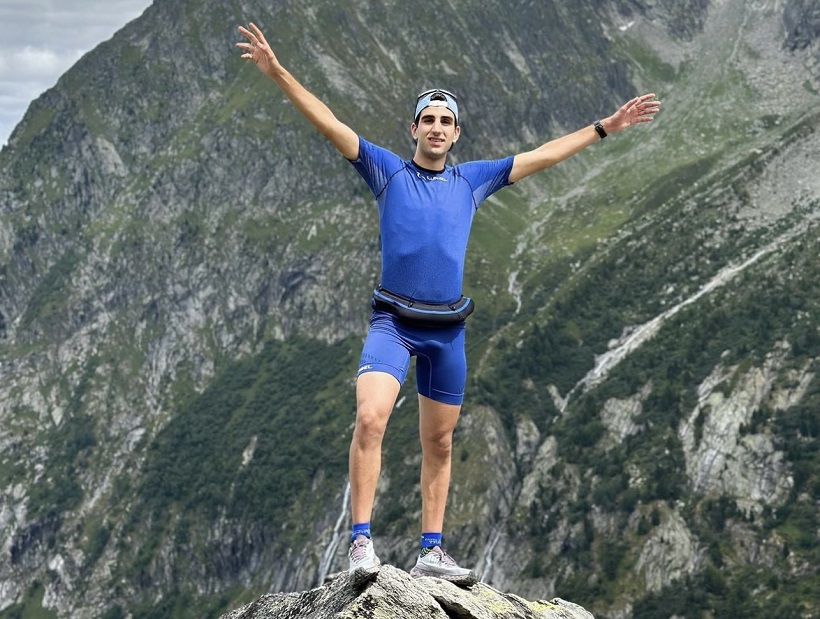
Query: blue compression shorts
pixel 441 365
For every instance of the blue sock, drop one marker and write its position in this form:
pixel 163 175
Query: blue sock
pixel 429 540
pixel 360 528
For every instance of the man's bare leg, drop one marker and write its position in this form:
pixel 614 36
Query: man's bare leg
pixel 436 424
pixel 376 394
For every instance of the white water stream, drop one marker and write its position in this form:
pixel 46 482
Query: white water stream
pixel 486 562
pixel 339 534
pixel 607 361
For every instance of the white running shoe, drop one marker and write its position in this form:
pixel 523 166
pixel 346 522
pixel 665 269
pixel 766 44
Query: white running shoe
pixel 439 564
pixel 362 556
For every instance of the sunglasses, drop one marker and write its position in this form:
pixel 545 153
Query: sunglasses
pixel 433 91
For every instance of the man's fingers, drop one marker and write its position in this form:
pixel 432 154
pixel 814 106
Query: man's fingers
pixel 254 37
pixel 257 33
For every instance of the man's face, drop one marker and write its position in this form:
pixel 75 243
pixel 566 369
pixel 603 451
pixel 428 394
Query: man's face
pixel 436 132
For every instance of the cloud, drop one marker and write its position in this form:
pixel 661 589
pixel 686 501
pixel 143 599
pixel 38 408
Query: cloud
pixel 41 39
pixel 31 64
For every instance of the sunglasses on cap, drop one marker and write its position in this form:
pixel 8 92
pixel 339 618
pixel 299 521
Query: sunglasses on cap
pixel 446 93
pixel 437 97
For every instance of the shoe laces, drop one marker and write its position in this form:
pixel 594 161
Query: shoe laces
pixel 358 549
pixel 443 557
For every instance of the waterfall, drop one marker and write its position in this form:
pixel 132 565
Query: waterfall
pixel 339 533
pixel 487 560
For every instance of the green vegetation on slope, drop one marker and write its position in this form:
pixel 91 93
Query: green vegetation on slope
pixel 739 324
pixel 261 447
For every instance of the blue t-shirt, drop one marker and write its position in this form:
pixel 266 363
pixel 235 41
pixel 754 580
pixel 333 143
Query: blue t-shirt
pixel 425 218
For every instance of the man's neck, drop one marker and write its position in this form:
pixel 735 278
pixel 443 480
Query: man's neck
pixel 433 165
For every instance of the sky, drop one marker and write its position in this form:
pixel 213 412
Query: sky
pixel 41 39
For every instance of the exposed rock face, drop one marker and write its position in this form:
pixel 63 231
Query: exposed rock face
pixel 670 553
pixel 393 593
pixel 801 19
pixel 721 458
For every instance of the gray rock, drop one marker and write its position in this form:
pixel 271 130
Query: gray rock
pixel 395 594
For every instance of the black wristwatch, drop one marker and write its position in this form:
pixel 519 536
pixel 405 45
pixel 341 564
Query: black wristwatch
pixel 599 128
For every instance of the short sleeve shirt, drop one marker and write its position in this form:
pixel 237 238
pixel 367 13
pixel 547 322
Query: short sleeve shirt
pixel 425 218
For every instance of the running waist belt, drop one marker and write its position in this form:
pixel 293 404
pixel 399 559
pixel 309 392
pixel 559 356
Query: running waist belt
pixel 422 314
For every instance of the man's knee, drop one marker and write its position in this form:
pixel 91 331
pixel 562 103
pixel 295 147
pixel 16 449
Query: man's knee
pixel 371 421
pixel 437 443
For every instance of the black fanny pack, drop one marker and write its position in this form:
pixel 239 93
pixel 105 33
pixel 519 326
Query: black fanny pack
pixel 422 314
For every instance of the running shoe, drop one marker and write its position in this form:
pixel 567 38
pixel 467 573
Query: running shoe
pixel 362 556
pixel 438 564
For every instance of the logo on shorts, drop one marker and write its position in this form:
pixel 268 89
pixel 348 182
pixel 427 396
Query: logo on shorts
pixel 365 368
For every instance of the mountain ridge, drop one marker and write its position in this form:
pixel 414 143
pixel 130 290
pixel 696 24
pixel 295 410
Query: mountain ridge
pixel 180 254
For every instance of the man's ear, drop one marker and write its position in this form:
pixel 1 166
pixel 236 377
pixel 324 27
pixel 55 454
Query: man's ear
pixel 456 134
pixel 414 130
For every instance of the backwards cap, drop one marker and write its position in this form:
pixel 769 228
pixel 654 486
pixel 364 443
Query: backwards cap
pixel 436 98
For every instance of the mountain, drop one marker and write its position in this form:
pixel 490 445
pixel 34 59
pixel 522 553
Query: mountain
pixel 185 268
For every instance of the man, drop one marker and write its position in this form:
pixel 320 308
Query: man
pixel 425 212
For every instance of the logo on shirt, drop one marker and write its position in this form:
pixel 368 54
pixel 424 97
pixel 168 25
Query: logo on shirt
pixel 430 177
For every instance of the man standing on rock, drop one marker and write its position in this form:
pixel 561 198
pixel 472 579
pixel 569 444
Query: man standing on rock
pixel 425 209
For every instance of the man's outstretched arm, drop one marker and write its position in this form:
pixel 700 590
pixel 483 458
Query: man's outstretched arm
pixel 256 48
pixel 638 110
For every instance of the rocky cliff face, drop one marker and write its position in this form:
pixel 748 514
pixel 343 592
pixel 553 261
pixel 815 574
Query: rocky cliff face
pixel 802 21
pixel 184 271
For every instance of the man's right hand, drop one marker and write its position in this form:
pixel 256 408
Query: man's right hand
pixel 256 48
